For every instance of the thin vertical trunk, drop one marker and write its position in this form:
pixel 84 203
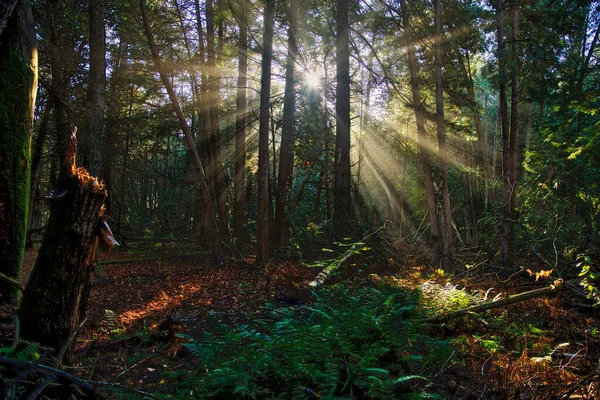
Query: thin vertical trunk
pixel 200 175
pixel 60 81
pixel 214 94
pixel 434 226
pixel 514 127
pixel 240 129
pixel 113 123
pixel 203 101
pixel 122 193
pixel 506 235
pixel 342 212
pixel 447 240
pixel 97 88
pixel 262 219
pixel 286 157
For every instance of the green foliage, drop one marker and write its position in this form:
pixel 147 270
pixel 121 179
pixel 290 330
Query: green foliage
pixel 589 277
pixel 30 352
pixel 446 298
pixel 352 342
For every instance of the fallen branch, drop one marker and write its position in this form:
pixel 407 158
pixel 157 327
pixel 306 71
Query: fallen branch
pixel 45 370
pixel 323 275
pixel 515 298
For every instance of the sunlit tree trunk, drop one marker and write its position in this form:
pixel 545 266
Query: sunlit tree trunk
pixel 18 88
pixel 200 175
pixel 342 209
pixel 214 78
pixel 441 131
pixel 286 155
pixel 434 226
pixel 262 219
pixel 240 127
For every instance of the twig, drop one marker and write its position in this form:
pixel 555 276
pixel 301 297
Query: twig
pixel 49 379
pixel 65 347
pixel 133 366
pixel 145 393
pixel 12 282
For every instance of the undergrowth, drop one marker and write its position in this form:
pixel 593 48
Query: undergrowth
pixel 362 343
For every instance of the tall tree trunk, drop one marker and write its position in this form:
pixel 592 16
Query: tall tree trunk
pixel 447 240
pixel 506 234
pixel 113 124
pixel 60 80
pixel 214 94
pixel 262 219
pixel 286 158
pixel 434 226
pixel 514 127
pixel 62 272
pixel 200 175
pixel 342 211
pixel 240 128
pixel 122 192
pixel 18 88
pixel 97 88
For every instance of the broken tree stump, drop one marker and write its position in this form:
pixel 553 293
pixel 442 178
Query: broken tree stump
pixel 54 300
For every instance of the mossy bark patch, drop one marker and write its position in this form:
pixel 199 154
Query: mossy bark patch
pixel 18 85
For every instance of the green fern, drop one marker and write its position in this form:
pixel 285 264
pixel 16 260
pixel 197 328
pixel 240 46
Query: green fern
pixel 350 340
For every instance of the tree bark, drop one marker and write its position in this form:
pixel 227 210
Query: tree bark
pixel 286 157
pixel 214 97
pixel 97 88
pixel 240 129
pixel 262 220
pixel 342 209
pixel 506 234
pixel 434 226
pixel 200 175
pixel 448 239
pixel 60 54
pixel 18 88
pixel 62 272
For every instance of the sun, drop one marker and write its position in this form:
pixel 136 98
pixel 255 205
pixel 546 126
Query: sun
pixel 312 79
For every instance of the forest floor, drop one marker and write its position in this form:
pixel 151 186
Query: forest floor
pixel 147 302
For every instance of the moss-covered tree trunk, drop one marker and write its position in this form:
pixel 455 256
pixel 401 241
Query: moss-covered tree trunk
pixel 57 290
pixel 18 86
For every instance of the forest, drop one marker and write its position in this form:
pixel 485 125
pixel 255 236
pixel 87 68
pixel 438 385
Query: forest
pixel 299 199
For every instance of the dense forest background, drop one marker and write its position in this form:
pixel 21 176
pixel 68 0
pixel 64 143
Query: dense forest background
pixel 518 84
pixel 457 133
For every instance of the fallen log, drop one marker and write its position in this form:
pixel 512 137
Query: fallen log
pixel 511 299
